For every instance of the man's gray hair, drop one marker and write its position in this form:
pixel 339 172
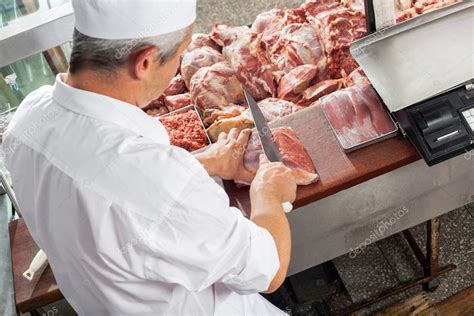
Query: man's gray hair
pixel 110 55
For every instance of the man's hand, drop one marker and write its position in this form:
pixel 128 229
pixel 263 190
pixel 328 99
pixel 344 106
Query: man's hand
pixel 225 158
pixel 274 183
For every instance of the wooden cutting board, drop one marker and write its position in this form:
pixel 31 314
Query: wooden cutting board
pixel 337 170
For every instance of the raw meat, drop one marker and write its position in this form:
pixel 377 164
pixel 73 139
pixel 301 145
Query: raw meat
pixel 212 115
pixel 339 27
pixel 175 102
pixel 295 45
pixel 225 35
pixel 196 59
pixel 157 111
pixel 269 22
pixel 314 7
pixel 248 58
pixel 293 152
pixel 233 117
pixel 176 86
pixel 216 87
pixel 185 130
pixel 356 5
pixel 225 125
pixel 408 10
pixel 273 109
pixel 158 107
pixel 293 84
pixel 356 115
pixel 319 90
pixel 357 77
pixel 200 40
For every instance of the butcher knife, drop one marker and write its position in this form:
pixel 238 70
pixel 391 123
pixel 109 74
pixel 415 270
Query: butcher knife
pixel 266 139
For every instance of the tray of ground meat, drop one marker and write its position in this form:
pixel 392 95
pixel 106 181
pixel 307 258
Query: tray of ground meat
pixel 185 129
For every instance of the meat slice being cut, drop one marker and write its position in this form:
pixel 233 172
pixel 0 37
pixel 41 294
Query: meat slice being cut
pixel 200 40
pixel 296 81
pixel 293 152
pixel 225 35
pixel 253 68
pixel 196 59
pixel 319 90
pixel 295 45
pixel 175 102
pixel 356 115
pixel 216 87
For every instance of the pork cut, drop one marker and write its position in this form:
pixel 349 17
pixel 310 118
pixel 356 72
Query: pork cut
pixel 176 86
pixel 196 59
pixel 319 90
pixel 357 77
pixel 295 45
pixel 226 124
pixel 175 102
pixel 225 35
pixel 339 26
pixel 157 110
pixel 269 22
pixel 200 40
pixel 274 109
pixel 235 117
pixel 216 87
pixel 253 68
pixel 211 115
pixel 296 81
pixel 356 115
pixel 293 152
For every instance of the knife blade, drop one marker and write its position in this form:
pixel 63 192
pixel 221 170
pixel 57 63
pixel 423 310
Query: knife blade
pixel 266 138
pixel 264 132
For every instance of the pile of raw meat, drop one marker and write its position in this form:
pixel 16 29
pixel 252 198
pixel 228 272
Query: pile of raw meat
pixel 185 130
pixel 407 9
pixel 288 60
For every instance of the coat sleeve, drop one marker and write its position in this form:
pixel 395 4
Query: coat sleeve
pixel 202 240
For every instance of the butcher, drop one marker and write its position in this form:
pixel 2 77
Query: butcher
pixel 130 224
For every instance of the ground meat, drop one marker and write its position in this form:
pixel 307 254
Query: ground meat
pixel 185 130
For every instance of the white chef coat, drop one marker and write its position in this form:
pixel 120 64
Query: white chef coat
pixel 130 224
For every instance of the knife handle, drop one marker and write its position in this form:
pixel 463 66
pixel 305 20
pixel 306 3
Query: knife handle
pixel 287 207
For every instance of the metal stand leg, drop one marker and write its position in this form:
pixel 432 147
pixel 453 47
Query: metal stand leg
pixel 431 269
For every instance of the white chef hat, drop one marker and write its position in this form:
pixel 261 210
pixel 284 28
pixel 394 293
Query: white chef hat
pixel 131 19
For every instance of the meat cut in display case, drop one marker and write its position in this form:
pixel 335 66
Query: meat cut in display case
pixel 429 86
pixel 288 59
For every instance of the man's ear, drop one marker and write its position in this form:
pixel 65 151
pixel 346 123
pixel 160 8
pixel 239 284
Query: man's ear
pixel 143 61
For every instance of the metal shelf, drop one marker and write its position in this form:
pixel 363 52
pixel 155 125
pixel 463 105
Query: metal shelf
pixel 36 33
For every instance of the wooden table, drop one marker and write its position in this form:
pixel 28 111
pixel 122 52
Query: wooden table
pixel 337 170
pixel 42 291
